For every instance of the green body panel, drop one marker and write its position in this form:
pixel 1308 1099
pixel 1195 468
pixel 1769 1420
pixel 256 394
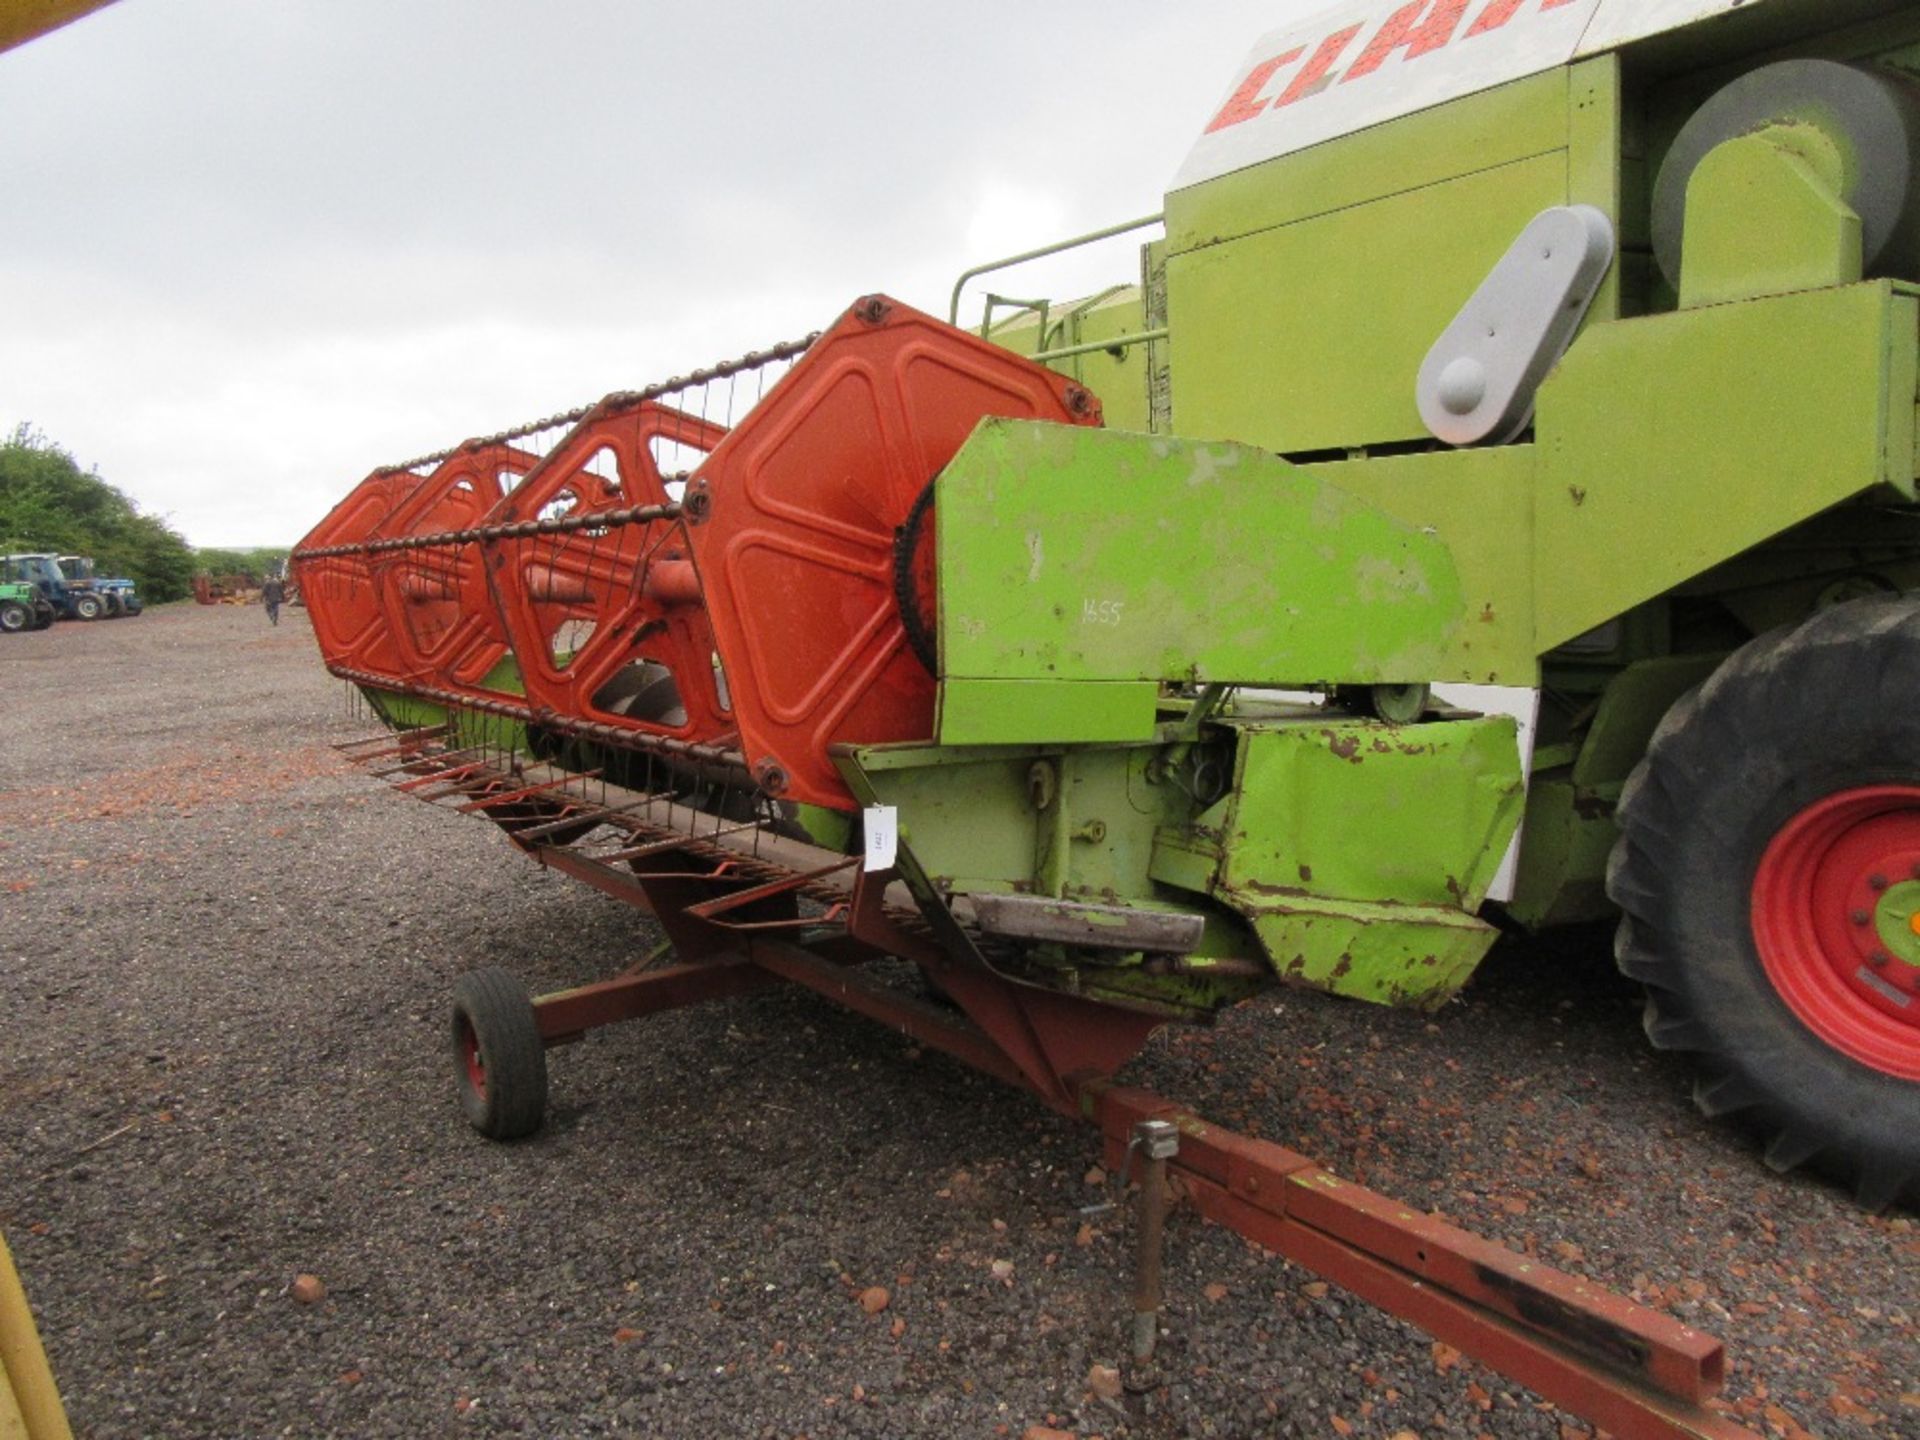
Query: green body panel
pixel 1013 712
pixel 1401 221
pixel 1568 835
pixel 1600 171
pixel 1379 910
pixel 1793 174
pixel 472 727
pixel 1358 851
pixel 1088 555
pixel 1421 152
pixel 1630 708
pixel 1352 810
pixel 1746 418
pixel 970 818
pixel 1119 375
pixel 1417 956
pixel 970 824
pixel 1569 830
pixel 1481 502
pixel 1699 467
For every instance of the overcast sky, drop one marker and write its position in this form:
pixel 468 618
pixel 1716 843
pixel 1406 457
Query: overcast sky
pixel 251 250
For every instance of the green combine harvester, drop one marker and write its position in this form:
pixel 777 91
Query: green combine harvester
pixel 1493 503
pixel 1613 306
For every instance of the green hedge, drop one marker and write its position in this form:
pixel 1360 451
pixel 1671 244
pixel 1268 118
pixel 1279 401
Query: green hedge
pixel 48 503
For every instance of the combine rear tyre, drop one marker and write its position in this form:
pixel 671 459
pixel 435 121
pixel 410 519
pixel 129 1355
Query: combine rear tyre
pixel 499 1060
pixel 1769 874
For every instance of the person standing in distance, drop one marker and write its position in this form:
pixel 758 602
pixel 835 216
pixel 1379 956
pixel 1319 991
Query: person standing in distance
pixel 271 594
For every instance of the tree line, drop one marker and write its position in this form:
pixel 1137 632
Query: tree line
pixel 48 503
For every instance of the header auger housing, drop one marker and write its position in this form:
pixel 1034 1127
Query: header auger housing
pixel 1566 347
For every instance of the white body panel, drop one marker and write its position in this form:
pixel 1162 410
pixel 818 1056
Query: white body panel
pixel 1621 22
pixel 1348 69
pixel 1524 707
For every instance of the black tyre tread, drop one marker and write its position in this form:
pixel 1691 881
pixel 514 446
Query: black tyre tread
pixel 15 617
pixel 1727 738
pixel 498 1007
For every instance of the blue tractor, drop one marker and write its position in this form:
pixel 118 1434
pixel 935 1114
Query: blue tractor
pixel 71 600
pixel 117 594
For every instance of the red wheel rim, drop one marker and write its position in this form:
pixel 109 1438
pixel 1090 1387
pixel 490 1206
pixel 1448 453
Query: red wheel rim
pixel 476 1068
pixel 1836 919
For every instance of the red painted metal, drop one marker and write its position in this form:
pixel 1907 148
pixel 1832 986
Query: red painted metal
pixel 1058 1041
pixel 417 780
pixel 1630 1370
pixel 792 521
pixel 770 604
pixel 916 1018
pixel 476 1069
pixel 412 742
pixel 582 607
pixel 349 622
pixel 1815 897
pixel 569 1014
pixel 439 615
pixel 1673 1358
pixel 603 878
pixel 509 797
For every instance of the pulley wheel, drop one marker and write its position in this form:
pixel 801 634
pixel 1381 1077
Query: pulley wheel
pixel 1874 115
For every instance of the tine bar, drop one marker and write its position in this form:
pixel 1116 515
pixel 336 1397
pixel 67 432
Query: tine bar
pixel 437 756
pixel 603 816
pixel 524 791
pixel 420 781
pixel 710 909
pixel 406 738
pixel 676 842
pixel 834 919
pixel 478 784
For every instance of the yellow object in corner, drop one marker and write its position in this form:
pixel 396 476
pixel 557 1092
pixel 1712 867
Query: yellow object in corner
pixel 29 1402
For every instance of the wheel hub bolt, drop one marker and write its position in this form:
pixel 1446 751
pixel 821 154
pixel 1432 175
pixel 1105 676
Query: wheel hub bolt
pixel 1877 959
pixel 1860 917
pixel 1877 882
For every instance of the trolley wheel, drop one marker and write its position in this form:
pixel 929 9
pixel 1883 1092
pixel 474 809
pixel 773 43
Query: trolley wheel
pixel 14 617
pixel 499 1060
pixel 1768 872
pixel 1395 704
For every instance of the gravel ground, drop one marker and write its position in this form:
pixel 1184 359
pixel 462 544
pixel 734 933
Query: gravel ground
pixel 226 963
